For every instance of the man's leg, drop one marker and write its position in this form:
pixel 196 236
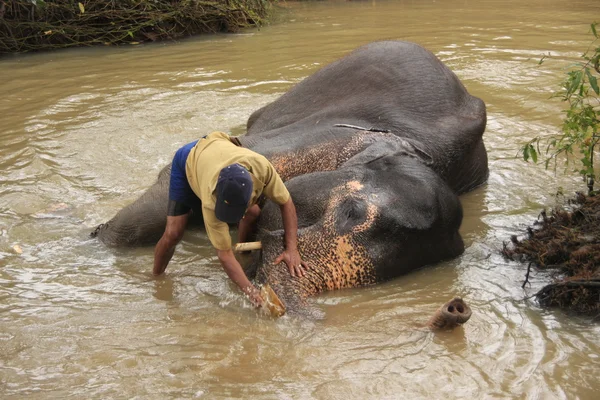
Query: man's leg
pixel 181 197
pixel 246 225
pixel 163 252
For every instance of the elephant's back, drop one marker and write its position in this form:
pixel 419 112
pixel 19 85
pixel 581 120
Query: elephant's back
pixel 375 79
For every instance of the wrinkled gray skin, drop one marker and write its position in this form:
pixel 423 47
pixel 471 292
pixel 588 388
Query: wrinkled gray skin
pixel 371 205
pixel 142 222
pixel 394 86
pixel 361 224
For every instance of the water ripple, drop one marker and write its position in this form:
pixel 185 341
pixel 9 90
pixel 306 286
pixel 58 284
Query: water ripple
pixel 86 131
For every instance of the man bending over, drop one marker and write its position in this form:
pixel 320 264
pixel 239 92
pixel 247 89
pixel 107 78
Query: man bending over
pixel 225 181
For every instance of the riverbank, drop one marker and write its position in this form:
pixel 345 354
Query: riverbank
pixel 33 25
pixel 567 242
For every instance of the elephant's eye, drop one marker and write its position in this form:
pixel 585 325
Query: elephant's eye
pixel 350 212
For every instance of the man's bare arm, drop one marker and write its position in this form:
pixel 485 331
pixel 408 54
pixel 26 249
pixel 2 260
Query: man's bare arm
pixel 290 226
pixel 235 272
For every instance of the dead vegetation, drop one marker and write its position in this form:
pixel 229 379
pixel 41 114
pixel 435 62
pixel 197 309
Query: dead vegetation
pixel 567 242
pixel 30 25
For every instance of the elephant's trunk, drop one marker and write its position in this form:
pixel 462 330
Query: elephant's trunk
pixel 293 291
pixel 453 313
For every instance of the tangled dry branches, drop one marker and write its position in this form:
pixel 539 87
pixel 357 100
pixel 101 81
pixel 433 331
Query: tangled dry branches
pixel 569 243
pixel 29 25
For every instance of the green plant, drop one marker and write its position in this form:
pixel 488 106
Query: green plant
pixel 581 126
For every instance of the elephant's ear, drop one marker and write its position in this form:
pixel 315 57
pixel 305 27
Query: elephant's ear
pixel 396 147
pixel 417 149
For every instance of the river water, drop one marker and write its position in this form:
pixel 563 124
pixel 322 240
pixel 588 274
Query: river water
pixel 83 132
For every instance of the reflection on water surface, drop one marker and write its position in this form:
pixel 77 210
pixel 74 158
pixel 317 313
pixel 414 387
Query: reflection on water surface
pixel 86 131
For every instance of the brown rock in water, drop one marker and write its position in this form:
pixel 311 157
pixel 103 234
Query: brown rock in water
pixel 450 315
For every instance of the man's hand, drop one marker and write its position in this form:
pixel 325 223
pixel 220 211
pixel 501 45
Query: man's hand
pixel 235 272
pixel 293 261
pixel 254 295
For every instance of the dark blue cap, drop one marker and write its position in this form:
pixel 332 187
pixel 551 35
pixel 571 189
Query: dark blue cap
pixel 234 191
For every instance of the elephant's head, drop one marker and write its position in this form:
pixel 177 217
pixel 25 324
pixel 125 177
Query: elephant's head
pixel 377 217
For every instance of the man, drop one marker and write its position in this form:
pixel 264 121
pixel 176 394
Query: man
pixel 225 181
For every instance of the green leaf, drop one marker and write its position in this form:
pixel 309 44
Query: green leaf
pixel 579 135
pixel 586 162
pixel 81 8
pixel 593 81
pixel 575 82
pixel 130 33
pixel 533 154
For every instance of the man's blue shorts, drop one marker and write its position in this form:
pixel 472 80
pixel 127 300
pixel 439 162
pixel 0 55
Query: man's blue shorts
pixel 182 198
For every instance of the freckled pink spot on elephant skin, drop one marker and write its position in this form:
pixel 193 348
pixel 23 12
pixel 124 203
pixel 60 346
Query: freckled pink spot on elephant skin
pixel 327 156
pixel 354 186
pixel 337 260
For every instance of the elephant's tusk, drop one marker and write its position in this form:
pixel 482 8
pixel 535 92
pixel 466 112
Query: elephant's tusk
pixel 247 246
pixel 271 301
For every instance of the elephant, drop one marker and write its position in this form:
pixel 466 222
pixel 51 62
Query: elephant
pixel 374 149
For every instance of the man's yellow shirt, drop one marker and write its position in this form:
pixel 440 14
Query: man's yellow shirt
pixel 203 165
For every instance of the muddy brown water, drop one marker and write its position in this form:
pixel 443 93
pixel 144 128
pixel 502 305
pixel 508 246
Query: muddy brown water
pixel 83 132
